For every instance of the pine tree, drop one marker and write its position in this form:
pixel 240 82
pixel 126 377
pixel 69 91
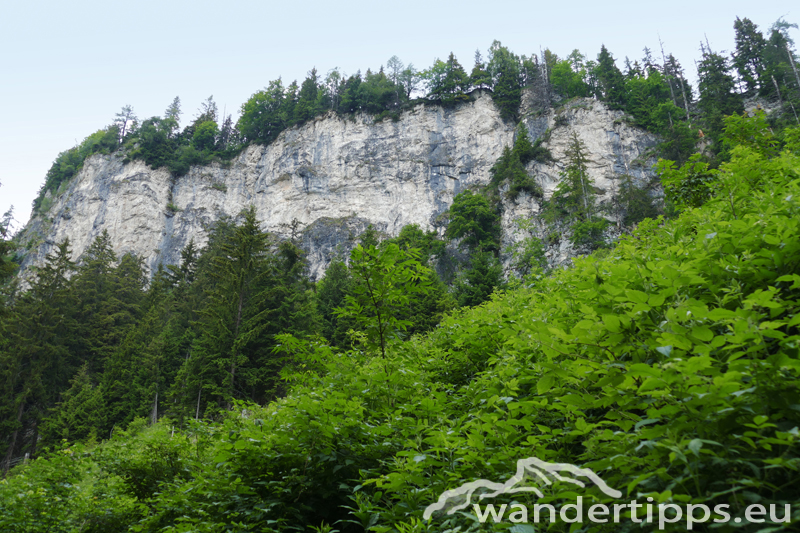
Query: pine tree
pixel 504 68
pixel 306 107
pixel 35 364
pixel 718 97
pixel 80 413
pixel 574 195
pixel 780 65
pixel 748 58
pixel 477 283
pixel 109 299
pixel 683 90
pixel 331 293
pixel 479 78
pixel 611 83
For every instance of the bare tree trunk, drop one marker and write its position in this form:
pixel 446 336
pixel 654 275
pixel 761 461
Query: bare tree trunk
pixel 197 413
pixel 794 68
pixel 235 335
pixel 669 78
pixel 154 413
pixel 685 100
pixel 780 100
pixel 13 444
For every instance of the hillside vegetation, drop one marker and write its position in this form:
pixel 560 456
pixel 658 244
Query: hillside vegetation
pixel 669 365
pixel 229 393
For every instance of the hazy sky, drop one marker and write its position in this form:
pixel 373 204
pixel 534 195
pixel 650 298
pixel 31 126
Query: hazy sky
pixel 67 67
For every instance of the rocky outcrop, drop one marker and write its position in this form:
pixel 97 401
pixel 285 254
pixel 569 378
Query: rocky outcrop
pixel 330 178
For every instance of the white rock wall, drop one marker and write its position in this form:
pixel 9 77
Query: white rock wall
pixel 333 175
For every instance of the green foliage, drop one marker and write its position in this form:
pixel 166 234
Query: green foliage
pixel 645 97
pixel 688 186
pixel 751 132
pixel 529 252
pixel 474 221
pixel 574 197
pixel 509 169
pixel 635 202
pixel 669 366
pixel 79 413
pixel 479 78
pixel 263 116
pixel 611 83
pixel 427 242
pixel 331 293
pixel 205 136
pixel 589 233
pixel 748 58
pixel 477 283
pixel 718 97
pixel 568 82
pixel 504 68
pixel 68 163
pixel 252 295
pixel 7 247
pixel 447 82
pixel 510 166
pixel 385 279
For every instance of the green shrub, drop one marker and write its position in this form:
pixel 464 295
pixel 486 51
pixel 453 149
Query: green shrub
pixel 589 233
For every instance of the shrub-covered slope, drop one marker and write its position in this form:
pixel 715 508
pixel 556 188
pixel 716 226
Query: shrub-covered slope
pixel 669 366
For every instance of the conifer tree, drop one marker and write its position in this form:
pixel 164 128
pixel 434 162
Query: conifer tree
pixel 479 78
pixel 331 293
pixel 233 315
pixel 306 107
pixel 35 364
pixel 611 83
pixel 504 68
pixel 748 58
pixel 79 414
pixel 109 299
pixel 574 195
pixel 718 97
pixel 477 283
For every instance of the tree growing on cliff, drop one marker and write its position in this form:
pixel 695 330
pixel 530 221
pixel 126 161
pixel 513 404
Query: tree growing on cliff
pixel 611 82
pixel 126 121
pixel 475 222
pixel 504 68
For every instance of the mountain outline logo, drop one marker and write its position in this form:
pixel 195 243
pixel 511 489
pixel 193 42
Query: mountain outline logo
pixel 530 467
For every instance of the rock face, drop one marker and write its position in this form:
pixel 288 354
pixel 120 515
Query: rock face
pixel 330 178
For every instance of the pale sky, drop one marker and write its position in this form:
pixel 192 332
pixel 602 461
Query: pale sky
pixel 67 67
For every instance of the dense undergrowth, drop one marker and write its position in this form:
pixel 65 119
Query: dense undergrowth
pixel 668 365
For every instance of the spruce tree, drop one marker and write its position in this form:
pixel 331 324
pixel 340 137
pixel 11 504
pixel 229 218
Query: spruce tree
pixel 79 414
pixel 504 68
pixel 331 293
pixel 610 80
pixel 574 196
pixel 477 283
pixel 35 363
pixel 306 107
pixel 479 78
pixel 748 58
pixel 718 97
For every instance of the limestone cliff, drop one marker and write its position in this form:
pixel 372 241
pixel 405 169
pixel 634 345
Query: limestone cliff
pixel 334 176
